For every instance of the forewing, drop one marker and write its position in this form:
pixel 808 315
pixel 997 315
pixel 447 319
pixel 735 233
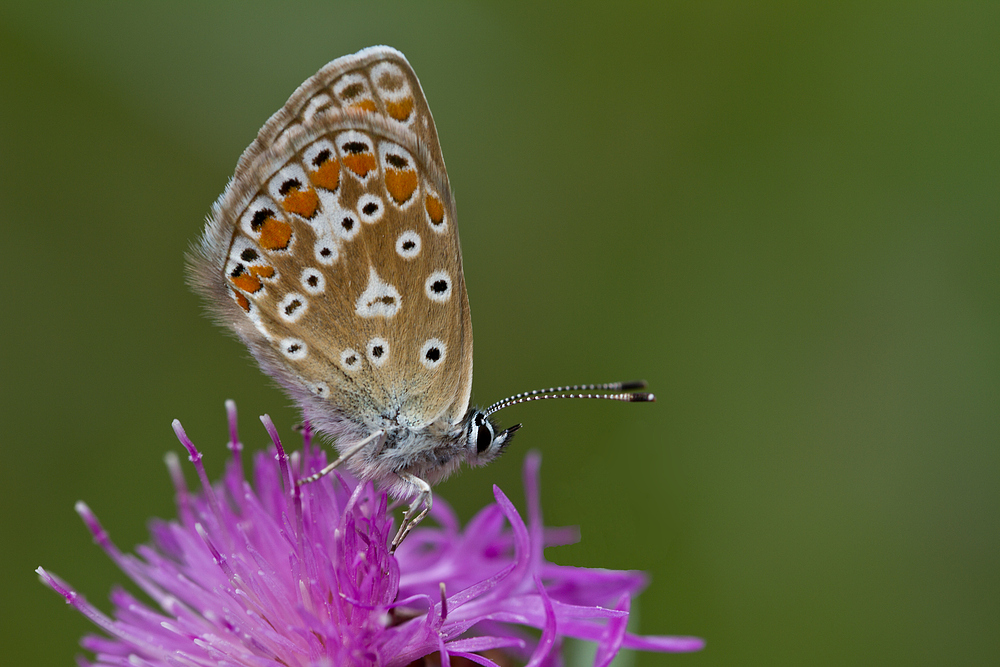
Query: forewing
pixel 377 79
pixel 334 252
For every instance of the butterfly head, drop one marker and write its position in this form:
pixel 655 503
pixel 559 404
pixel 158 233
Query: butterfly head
pixel 483 438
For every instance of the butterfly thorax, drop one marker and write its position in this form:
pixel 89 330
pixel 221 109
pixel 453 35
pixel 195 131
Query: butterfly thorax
pixel 432 451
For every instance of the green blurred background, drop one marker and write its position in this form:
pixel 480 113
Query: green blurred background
pixel 784 217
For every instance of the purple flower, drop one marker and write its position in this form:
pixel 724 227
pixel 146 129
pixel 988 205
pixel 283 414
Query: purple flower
pixel 269 574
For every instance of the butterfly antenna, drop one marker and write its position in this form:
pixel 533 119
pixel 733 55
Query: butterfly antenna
pixel 625 395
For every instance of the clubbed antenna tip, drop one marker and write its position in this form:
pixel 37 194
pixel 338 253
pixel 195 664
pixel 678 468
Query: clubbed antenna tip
pixel 634 384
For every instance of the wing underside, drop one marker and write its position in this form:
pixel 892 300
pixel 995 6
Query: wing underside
pixel 336 249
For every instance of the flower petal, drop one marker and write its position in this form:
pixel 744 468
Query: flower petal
pixel 263 572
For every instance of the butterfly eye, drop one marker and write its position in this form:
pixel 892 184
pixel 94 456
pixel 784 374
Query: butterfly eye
pixel 485 438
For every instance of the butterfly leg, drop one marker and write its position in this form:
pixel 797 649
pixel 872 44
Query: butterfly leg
pixel 411 518
pixel 352 450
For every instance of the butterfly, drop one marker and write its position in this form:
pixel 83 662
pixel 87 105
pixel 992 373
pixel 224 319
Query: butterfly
pixel 333 254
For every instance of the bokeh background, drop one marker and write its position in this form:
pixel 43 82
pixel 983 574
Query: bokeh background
pixel 784 217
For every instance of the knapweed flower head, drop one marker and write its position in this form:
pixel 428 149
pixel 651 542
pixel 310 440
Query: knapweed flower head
pixel 261 572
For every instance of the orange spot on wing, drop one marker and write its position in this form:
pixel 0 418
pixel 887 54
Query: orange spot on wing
pixel 365 105
pixel 400 184
pixel 242 301
pixel 262 271
pixel 400 110
pixel 360 163
pixel 435 209
pixel 275 234
pixel 247 282
pixel 327 176
pixel 301 202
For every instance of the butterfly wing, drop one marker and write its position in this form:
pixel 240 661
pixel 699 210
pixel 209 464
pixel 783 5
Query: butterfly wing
pixel 378 79
pixel 334 253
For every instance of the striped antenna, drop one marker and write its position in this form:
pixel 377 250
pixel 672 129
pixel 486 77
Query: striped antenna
pixel 559 392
